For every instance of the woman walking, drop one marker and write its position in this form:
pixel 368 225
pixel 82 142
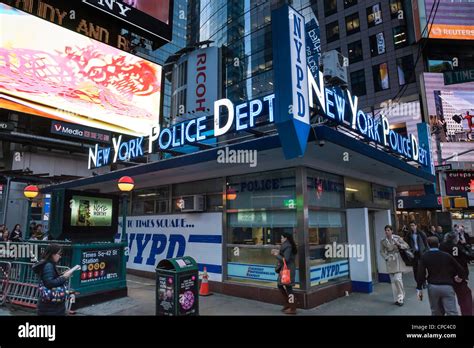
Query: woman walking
pixel 286 254
pixel 53 294
pixel 390 250
pixel 16 235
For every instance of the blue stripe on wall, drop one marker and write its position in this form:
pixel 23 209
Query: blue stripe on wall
pixel 201 238
pixel 210 268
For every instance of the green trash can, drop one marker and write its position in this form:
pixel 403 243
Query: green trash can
pixel 177 292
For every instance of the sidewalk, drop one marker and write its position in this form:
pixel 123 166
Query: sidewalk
pixel 141 301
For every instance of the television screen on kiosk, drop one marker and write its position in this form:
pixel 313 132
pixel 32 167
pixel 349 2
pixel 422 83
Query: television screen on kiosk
pixel 74 78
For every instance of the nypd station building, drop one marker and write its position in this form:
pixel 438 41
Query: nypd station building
pixel 226 199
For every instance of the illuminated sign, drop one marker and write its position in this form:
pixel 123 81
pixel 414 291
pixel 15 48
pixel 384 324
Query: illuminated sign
pixel 73 78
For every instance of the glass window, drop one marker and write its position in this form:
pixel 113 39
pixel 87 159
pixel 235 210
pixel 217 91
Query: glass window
pixel 330 7
pixel 395 7
pixel 261 207
pixel 381 79
pixel 332 31
pixel 349 3
pixel 377 44
pixel 354 50
pixel 325 190
pixel 352 24
pixel 150 201
pixel 358 192
pixel 374 15
pixel 400 37
pixel 210 189
pixel 358 82
pixel 406 70
pixel 382 195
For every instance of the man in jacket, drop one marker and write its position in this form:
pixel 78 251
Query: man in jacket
pixel 441 271
pixel 453 247
pixel 416 239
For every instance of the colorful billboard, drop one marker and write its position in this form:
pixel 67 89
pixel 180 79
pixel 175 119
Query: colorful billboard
pixel 453 20
pixel 91 211
pixel 74 78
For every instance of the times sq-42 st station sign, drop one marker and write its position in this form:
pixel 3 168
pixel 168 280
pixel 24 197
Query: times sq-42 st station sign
pixel 297 90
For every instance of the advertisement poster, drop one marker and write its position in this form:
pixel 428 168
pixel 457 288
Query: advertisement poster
pixel 88 211
pixel 188 295
pixel 165 295
pixel 152 238
pixel 99 265
pixel 74 78
pixel 459 183
pixel 158 9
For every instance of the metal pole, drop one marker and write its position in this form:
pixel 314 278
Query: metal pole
pixel 5 202
pixel 442 188
pixel 28 215
pixel 124 217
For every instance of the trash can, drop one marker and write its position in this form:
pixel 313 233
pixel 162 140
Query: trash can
pixel 177 291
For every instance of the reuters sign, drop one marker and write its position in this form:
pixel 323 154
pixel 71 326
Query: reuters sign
pixel 454 32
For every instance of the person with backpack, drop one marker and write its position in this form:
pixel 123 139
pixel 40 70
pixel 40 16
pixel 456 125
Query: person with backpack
pixel 53 292
pixel 286 264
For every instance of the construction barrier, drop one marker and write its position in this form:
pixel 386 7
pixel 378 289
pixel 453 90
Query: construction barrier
pixel 4 276
pixel 23 284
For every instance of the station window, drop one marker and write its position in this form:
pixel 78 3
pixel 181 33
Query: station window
pixel 352 24
pixel 381 78
pixel 349 3
pixel 211 190
pixel 406 70
pixel 262 207
pixel 400 37
pixel 354 50
pixel 374 15
pixel 326 224
pixel 377 44
pixel 150 201
pixel 332 31
pixel 330 7
pixel 358 85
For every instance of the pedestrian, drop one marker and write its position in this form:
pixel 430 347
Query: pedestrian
pixel 463 235
pixel 53 293
pixel 453 247
pixel 3 234
pixel 16 235
pixel 287 253
pixel 38 233
pixel 443 271
pixel 440 233
pixel 416 239
pixel 432 231
pixel 390 250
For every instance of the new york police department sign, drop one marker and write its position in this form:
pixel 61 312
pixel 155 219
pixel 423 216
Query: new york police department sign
pixel 297 91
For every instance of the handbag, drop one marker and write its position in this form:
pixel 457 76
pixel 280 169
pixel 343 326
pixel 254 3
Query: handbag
pixel 54 295
pixel 407 256
pixel 285 277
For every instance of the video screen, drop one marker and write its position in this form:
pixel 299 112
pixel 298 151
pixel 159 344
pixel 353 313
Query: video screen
pixel 91 211
pixel 74 78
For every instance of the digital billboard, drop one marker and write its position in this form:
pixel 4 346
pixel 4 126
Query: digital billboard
pixel 90 211
pixel 453 19
pixel 52 72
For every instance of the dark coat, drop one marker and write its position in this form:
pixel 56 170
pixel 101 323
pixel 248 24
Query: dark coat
pixel 421 239
pixel 50 277
pixel 459 252
pixel 286 252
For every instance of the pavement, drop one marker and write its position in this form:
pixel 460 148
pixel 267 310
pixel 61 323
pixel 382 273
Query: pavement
pixel 141 301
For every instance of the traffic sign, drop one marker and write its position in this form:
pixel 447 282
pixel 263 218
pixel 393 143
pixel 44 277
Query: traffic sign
pixel 444 167
pixel 458 76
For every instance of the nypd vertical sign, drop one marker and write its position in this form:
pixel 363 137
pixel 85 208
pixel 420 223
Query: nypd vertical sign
pixel 290 80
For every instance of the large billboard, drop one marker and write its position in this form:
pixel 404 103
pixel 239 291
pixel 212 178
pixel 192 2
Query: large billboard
pixel 453 19
pixel 116 23
pixel 449 109
pixel 70 77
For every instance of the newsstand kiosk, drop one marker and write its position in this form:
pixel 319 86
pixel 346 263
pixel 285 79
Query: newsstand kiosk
pixel 85 224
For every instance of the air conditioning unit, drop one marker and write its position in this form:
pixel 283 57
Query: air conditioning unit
pixel 334 69
pixel 191 203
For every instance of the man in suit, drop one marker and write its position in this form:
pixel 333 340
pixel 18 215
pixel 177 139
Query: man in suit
pixel 416 239
pixel 441 271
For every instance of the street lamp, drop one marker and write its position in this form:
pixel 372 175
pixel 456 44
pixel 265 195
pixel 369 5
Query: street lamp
pixel 125 185
pixel 30 192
